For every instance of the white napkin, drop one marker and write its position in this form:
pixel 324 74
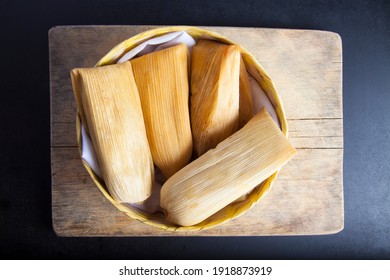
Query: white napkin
pixel 259 100
pixel 87 152
pixel 160 43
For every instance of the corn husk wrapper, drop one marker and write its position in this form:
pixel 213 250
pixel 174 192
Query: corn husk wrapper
pixel 162 80
pixel 222 175
pixel 110 108
pixel 246 105
pixel 215 70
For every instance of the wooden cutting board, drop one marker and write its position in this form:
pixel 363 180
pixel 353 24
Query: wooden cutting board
pixel 307 196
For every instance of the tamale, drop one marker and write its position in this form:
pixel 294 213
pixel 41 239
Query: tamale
pixel 162 80
pixel 220 176
pixel 215 69
pixel 246 106
pixel 109 101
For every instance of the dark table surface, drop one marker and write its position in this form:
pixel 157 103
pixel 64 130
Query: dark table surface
pixel 25 186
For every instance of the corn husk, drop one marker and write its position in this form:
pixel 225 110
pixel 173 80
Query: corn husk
pixel 222 175
pixel 246 106
pixel 110 108
pixel 162 80
pixel 215 69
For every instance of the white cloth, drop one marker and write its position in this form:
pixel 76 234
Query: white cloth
pixel 159 43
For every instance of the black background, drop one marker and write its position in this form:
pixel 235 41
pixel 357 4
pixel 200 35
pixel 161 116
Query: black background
pixel 25 191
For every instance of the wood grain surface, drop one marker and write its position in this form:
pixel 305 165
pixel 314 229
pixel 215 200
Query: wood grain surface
pixel 307 196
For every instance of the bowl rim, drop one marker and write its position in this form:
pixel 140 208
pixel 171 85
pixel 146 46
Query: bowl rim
pixel 231 211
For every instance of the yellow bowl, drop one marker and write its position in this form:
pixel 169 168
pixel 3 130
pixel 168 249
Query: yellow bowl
pixel 233 210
